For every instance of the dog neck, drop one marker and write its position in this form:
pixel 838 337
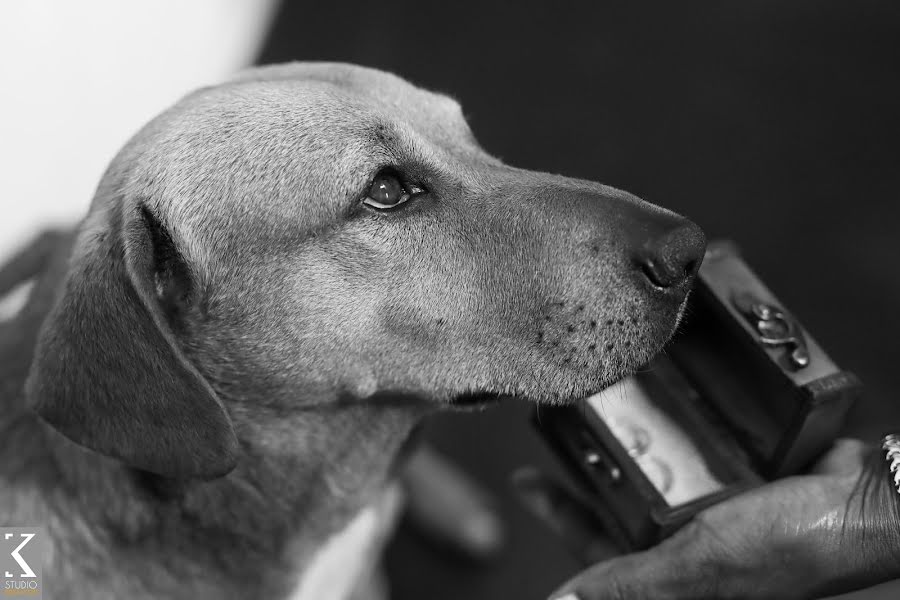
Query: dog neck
pixel 300 479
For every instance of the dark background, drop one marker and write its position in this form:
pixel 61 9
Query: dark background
pixel 773 123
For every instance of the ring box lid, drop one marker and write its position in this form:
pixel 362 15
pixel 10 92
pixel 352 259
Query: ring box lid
pixel 765 375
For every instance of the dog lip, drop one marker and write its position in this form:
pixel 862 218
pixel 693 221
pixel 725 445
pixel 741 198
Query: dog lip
pixel 485 397
pixel 476 398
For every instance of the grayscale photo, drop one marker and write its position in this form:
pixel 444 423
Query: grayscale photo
pixel 449 301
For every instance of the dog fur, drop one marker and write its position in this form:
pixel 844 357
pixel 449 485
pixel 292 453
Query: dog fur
pixel 215 375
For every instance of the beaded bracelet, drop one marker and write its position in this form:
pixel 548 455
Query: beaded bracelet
pixel 891 447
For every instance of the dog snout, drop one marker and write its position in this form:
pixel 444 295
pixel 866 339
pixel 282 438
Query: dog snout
pixel 670 259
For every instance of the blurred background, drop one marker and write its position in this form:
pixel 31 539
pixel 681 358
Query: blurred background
pixel 775 124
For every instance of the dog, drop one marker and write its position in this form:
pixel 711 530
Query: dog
pixel 277 279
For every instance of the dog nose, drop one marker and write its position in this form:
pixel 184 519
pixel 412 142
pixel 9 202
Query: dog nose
pixel 673 258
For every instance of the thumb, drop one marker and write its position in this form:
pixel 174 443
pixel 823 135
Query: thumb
pixel 846 457
pixel 625 578
pixel 677 568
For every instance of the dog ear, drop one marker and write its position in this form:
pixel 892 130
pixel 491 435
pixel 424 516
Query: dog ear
pixel 108 373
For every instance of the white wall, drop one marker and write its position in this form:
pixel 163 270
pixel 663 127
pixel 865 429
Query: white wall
pixel 78 77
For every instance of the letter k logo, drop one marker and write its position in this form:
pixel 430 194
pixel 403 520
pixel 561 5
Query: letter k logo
pixel 26 570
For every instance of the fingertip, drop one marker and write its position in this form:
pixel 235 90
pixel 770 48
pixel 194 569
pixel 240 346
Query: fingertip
pixel 568 596
pixel 849 445
pixel 572 589
pixel 845 456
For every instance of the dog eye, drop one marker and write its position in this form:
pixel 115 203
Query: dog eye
pixel 388 191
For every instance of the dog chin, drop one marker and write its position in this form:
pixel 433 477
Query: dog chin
pixel 569 392
pixel 578 388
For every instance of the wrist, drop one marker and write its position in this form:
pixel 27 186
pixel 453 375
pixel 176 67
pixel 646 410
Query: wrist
pixel 856 543
pixel 889 508
pixel 873 515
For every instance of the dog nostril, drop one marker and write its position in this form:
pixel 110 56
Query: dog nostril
pixel 674 257
pixel 656 275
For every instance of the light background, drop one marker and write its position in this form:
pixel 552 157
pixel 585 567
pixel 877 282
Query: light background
pixel 78 78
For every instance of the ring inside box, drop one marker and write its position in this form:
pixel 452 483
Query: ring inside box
pixel 652 451
pixel 668 456
pixel 661 423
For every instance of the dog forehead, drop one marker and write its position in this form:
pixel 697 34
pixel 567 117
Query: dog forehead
pixel 371 85
pixel 282 149
pixel 248 151
pixel 293 123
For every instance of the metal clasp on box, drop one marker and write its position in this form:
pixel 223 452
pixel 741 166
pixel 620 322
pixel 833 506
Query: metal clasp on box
pixel 774 327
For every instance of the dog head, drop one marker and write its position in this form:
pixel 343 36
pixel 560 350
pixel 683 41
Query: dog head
pixel 319 233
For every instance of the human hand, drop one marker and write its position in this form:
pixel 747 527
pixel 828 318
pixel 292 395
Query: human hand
pixel 802 537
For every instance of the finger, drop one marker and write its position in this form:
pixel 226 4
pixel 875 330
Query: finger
pixel 566 513
pixel 845 457
pixel 641 575
pixel 448 507
pixel 694 563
